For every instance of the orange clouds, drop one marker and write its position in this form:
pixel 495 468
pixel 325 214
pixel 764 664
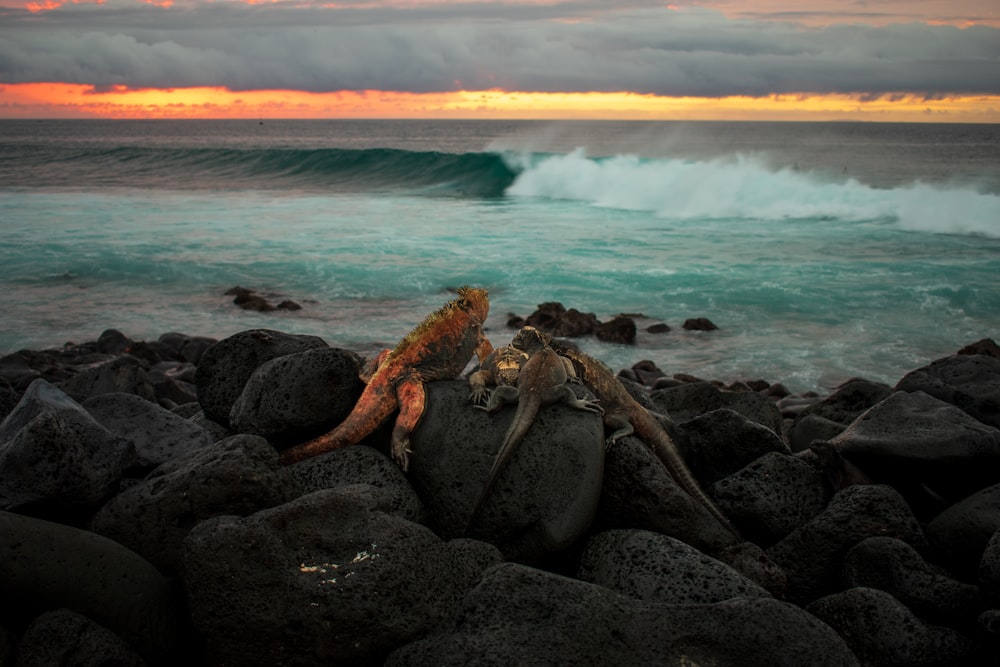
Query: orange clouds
pixel 50 100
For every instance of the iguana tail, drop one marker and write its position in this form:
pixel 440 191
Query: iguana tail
pixel 523 418
pixel 377 403
pixel 652 433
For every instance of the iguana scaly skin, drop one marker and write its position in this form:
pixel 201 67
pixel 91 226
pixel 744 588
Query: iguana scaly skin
pixel 542 381
pixel 437 349
pixel 501 367
pixel 626 416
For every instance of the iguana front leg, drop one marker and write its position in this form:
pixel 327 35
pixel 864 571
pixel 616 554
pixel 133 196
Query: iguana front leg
pixel 412 398
pixel 622 426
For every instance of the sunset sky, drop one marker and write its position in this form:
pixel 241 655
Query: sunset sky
pixel 889 60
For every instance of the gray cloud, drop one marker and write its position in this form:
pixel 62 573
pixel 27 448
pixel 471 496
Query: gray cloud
pixel 580 46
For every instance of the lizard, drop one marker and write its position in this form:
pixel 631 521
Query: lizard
pixel 542 381
pixel 438 348
pixel 625 416
pixel 501 367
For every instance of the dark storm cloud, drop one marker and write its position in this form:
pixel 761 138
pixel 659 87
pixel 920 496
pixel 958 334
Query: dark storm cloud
pixel 556 48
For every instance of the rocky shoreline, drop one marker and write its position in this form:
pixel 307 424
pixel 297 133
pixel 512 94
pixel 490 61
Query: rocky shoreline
pixel 145 519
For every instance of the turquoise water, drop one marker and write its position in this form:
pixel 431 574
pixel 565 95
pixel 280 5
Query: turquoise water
pixel 821 251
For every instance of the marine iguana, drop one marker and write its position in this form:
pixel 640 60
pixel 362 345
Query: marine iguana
pixel 436 349
pixel 626 416
pixel 542 381
pixel 501 367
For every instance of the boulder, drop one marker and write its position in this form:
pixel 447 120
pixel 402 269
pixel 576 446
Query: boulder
pixel 64 637
pixel 619 330
pixel 225 367
pixel 361 465
pixel 811 428
pixel 236 476
pixel 544 499
pixel 124 374
pixel 895 567
pixel 654 567
pixel 848 401
pixel 45 566
pixel 916 442
pixel 811 555
pixel 721 442
pixel 157 434
pixel 519 615
pixel 639 492
pixel 772 496
pixel 882 632
pixel 328 578
pixel 298 396
pixel 959 534
pixel 989 570
pixel 694 399
pixel 53 453
pixel 970 382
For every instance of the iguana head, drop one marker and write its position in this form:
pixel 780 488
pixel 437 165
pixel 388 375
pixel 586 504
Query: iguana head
pixel 530 339
pixel 476 299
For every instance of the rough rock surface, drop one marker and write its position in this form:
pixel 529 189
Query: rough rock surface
pixel 959 535
pixel 650 566
pixel 882 632
pixel 236 476
pixel 52 452
pixel 520 615
pixel 327 578
pixel 63 637
pixel 157 434
pixel 970 382
pixel 691 400
pixel 298 396
pixel 226 366
pixel 545 498
pixel 719 443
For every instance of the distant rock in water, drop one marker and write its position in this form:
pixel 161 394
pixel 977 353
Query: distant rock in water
pixel 554 318
pixel 249 299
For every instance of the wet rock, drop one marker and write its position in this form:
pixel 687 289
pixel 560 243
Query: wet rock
pixel 361 465
pixel 157 434
pixel 53 453
pixel 699 324
pixel 639 492
pixel 225 367
pixel 63 637
pixel 719 443
pixel 985 346
pixel 519 615
pixel 173 382
pixel 811 555
pixel 772 496
pixel 895 567
pixel 970 382
pixel 329 578
pixel 236 476
pixel 882 632
pixel 112 341
pixel 694 399
pixel 959 535
pixel 544 499
pixel 619 330
pixel 654 567
pixel 45 566
pixel 298 396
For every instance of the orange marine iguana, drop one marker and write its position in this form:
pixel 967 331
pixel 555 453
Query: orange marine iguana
pixel 542 380
pixel 439 348
pixel 626 416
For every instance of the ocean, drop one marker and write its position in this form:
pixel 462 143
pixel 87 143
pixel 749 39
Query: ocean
pixel 822 251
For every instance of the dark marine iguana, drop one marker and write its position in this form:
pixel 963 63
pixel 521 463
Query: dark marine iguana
pixel 542 381
pixel 501 367
pixel 438 348
pixel 626 416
